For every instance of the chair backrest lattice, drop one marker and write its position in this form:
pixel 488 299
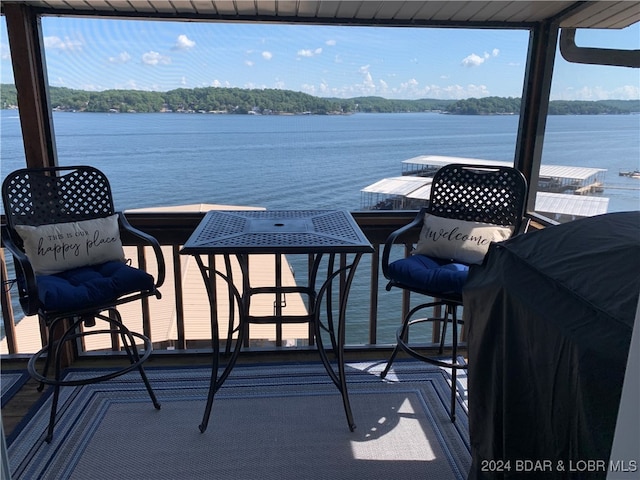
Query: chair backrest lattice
pixel 56 195
pixel 486 194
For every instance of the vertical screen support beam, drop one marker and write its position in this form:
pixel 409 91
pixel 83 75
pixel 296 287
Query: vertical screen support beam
pixel 535 104
pixel 24 31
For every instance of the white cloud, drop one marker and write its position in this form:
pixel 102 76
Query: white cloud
pixel 248 63
pixel 411 84
pixel 58 82
pixel 128 85
pixel 183 43
pixel 368 86
pixel 368 82
pixel 307 88
pixel 218 83
pixel 309 52
pixel 474 60
pixel 90 87
pixel 472 90
pixel 154 58
pixel 267 55
pixel 122 57
pixel 331 43
pixel 410 89
pixel 253 86
pixel 66 44
pixel 625 92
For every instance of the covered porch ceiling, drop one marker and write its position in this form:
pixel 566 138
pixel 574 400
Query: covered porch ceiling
pixel 571 14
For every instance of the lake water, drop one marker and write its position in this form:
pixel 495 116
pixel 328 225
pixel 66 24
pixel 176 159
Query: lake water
pixel 310 162
pixel 307 161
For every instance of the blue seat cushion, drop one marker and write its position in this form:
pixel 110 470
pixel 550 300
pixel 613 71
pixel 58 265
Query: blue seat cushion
pixel 84 287
pixel 430 274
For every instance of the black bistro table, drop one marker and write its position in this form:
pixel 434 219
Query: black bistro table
pixel 315 233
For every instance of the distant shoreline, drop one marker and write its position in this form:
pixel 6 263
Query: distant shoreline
pixel 287 114
pixel 237 101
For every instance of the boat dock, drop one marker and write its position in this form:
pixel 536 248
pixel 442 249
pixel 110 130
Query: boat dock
pixel 552 178
pixel 564 193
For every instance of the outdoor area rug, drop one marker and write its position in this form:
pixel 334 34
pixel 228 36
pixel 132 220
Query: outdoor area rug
pixel 10 383
pixel 269 421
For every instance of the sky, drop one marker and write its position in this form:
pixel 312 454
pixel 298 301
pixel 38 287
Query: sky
pixel 325 61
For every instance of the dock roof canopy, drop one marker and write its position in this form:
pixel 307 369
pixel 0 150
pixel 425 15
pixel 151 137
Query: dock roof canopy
pixel 548 202
pixel 552 171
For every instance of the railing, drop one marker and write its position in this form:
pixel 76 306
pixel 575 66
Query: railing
pixel 173 229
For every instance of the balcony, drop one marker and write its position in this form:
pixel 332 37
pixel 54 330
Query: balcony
pixel 380 310
pixel 375 310
pixel 188 341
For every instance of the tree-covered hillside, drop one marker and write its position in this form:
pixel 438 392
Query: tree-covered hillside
pixel 384 105
pixel 274 102
pixel 226 100
pixel 502 106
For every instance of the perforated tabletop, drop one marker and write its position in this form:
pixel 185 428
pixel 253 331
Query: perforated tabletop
pixel 277 231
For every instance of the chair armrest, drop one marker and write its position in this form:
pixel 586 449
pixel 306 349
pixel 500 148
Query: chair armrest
pixel 25 276
pixel 151 241
pixel 391 240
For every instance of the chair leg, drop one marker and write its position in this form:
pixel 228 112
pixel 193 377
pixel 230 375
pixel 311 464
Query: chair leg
pixel 51 348
pixel 52 414
pixel 390 362
pixel 443 331
pixel 47 362
pixel 134 357
pixel 396 350
pixel 55 352
pixel 452 415
pixel 450 315
pixel 454 360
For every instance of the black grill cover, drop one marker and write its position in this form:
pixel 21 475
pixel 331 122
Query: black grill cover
pixel 550 316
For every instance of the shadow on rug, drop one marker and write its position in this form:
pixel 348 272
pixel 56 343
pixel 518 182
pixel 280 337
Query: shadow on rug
pixel 268 421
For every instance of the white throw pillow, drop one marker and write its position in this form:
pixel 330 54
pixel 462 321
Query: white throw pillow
pixel 58 247
pixel 465 242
